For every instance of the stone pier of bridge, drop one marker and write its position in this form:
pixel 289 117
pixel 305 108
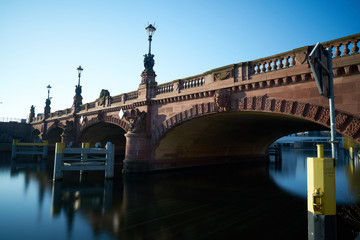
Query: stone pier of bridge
pixel 222 115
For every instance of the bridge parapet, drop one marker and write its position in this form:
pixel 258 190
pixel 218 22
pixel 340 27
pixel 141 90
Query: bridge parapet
pixel 273 71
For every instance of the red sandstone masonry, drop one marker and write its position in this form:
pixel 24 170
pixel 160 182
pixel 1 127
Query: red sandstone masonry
pixel 282 83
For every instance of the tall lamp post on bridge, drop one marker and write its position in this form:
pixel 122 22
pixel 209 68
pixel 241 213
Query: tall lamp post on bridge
pixel 47 103
pixel 150 30
pixel 138 136
pixel 78 87
pixel 78 97
pixel 148 75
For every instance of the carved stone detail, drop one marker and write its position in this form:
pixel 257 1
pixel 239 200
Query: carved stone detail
pixel 222 75
pixel 137 121
pixel 277 107
pixel 353 127
pixel 325 116
pixel 69 128
pixel 222 99
pixel 340 119
pixel 300 109
pixel 312 112
pixel 268 104
pixel 259 103
pixel 288 107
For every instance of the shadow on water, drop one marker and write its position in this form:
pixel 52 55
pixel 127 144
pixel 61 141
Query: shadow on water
pixel 237 201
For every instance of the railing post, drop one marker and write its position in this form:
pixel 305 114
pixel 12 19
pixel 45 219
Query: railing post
pixel 13 149
pixel 45 149
pixel 84 156
pixel 58 162
pixel 109 172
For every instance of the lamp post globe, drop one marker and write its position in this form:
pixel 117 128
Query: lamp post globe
pixel 150 30
pixel 79 69
pixel 48 88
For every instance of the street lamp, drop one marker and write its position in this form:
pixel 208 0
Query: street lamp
pixel 150 30
pixel 48 88
pixel 79 69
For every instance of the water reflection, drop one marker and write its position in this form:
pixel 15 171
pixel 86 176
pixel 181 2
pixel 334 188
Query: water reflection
pixel 237 201
pixel 290 173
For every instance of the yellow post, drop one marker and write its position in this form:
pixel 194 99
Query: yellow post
pixel 351 152
pixel 320 150
pixel 321 196
pixel 59 147
pixel 85 145
pixel 14 148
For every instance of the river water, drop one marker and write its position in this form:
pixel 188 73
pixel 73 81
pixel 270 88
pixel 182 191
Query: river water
pixel 240 201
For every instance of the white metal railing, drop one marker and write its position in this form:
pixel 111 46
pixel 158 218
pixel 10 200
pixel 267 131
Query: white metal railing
pixel 79 159
pixel 9 119
pixel 19 148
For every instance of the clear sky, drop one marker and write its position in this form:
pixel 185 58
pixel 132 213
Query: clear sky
pixel 43 41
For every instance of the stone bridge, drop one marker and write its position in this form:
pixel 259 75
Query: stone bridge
pixel 231 112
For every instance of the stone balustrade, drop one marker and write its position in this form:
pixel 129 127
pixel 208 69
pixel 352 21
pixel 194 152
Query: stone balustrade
pixel 192 82
pixel 344 46
pixel 132 95
pixel 165 88
pixel 273 63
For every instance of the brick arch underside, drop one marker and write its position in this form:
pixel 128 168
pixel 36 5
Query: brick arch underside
pixel 120 142
pixel 106 119
pixel 53 134
pixel 305 116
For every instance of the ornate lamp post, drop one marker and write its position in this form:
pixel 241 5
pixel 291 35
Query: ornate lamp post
pixel 150 30
pixel 78 97
pixel 47 103
pixel 78 87
pixel 149 58
pixel 48 88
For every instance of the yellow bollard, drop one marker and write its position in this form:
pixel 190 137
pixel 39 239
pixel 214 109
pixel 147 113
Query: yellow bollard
pixel 59 147
pixel 321 196
pixel 85 145
pixel 320 150
pixel 351 152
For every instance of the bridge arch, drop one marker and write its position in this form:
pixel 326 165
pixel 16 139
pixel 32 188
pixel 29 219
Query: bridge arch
pixel 53 133
pixel 107 119
pixel 103 130
pixel 305 116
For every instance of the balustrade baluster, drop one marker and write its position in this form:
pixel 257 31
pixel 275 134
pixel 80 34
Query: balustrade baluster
pixel 346 49
pixel 258 69
pixel 263 67
pixel 293 61
pixel 337 52
pixel 275 66
pixel 281 65
pixel 287 62
pixel 355 48
pixel 268 69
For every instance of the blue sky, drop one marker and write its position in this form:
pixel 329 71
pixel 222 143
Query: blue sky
pixel 43 42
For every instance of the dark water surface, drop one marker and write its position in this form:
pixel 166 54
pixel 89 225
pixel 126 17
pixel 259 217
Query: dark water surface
pixel 225 202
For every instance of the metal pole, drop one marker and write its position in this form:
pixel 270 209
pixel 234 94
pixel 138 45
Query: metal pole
pixel 332 107
pixel 150 38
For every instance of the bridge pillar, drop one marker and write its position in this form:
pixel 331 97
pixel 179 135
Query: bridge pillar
pixel 69 135
pixel 137 152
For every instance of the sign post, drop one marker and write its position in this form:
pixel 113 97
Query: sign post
pixel 320 170
pixel 320 60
